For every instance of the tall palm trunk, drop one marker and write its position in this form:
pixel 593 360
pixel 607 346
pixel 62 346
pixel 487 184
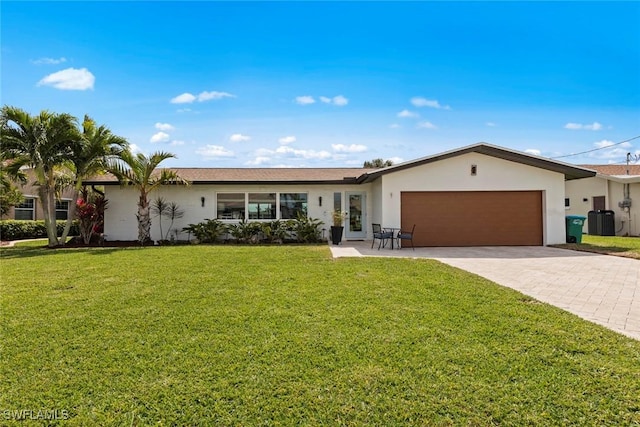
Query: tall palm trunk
pixel 144 219
pixel 71 215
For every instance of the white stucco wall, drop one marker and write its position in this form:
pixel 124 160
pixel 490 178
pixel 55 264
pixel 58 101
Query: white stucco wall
pixel 120 216
pixel 493 174
pixel 587 188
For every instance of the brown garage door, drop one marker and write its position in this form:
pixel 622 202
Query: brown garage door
pixel 473 218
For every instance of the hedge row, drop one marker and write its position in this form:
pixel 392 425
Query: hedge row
pixel 16 230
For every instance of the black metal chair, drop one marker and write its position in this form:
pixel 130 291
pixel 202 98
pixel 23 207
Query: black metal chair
pixel 381 235
pixel 406 235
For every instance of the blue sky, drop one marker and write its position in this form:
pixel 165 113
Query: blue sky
pixel 333 84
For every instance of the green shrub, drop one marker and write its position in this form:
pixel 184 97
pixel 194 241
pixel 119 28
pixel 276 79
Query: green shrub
pixel 207 231
pixel 16 230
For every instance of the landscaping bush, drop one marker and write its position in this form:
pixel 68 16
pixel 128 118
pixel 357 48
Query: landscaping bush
pixel 300 230
pixel 16 230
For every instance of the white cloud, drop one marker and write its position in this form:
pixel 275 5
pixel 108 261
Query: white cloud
pixel 260 160
pixel 183 110
pixel 177 142
pixel 159 137
pixel 49 61
pixel 185 98
pixel 533 151
pixel 426 125
pixel 490 124
pixel 431 103
pixel 206 96
pixel 353 148
pixel 305 100
pixel 325 100
pixel 70 79
pixel 166 127
pixel 188 98
pixel 214 151
pixel 286 140
pixel 134 149
pixel 394 126
pixel 340 101
pixel 305 154
pixel 396 160
pixel 606 143
pixel 238 137
pixel 408 114
pixel 578 126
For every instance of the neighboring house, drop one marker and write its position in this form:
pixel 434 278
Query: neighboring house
pixel 615 188
pixel 473 196
pixel 31 207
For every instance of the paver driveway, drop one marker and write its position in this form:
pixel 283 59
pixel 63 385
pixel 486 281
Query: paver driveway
pixel 600 288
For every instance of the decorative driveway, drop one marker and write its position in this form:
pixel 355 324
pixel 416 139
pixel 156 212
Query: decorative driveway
pixel 600 288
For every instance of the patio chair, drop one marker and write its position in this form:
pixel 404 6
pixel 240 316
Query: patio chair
pixel 381 235
pixel 406 235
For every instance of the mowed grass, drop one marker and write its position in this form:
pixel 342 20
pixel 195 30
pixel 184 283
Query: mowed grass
pixel 215 335
pixel 610 245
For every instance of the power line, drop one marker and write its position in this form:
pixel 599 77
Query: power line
pixel 596 149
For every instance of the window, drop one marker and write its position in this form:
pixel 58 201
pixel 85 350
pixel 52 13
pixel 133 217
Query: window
pixel 567 203
pixel 25 210
pixel 292 204
pixel 262 206
pixel 230 205
pixel 62 209
pixel 337 202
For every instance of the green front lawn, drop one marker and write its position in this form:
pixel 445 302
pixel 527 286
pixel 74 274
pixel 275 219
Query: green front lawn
pixel 610 245
pixel 236 335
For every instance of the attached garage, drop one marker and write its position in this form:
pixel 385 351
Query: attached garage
pixel 481 195
pixel 473 218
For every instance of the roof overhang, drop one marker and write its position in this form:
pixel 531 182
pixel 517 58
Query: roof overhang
pixel 568 170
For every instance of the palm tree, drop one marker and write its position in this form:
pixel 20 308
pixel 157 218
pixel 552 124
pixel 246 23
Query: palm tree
pixel 43 142
pixel 140 172
pixel 90 156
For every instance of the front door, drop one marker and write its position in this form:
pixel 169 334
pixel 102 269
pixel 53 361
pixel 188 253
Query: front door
pixel 356 222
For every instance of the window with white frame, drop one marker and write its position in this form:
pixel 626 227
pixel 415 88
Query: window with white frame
pixel 62 209
pixel 25 210
pixel 262 206
pixel 231 205
pixel 292 205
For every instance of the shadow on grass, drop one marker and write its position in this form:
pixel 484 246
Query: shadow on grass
pixel 40 251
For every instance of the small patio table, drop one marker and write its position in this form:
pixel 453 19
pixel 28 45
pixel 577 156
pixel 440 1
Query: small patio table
pixel 394 233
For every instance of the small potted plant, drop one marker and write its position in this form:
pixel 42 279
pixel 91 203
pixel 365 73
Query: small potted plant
pixel 337 228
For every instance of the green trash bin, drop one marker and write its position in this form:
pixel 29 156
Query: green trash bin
pixel 574 228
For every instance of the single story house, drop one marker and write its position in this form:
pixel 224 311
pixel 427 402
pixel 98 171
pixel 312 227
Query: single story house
pixel 473 196
pixel 613 188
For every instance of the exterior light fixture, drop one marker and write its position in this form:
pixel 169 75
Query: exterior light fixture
pixel 202 201
pixel 320 201
pixel 474 170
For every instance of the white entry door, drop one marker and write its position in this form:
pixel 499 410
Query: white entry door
pixel 356 221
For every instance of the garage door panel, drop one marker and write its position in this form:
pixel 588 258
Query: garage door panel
pixel 473 218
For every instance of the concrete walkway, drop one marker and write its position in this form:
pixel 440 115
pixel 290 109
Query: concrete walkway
pixel 600 288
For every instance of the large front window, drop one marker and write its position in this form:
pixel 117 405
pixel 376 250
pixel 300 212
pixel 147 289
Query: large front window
pixel 292 205
pixel 262 205
pixel 231 206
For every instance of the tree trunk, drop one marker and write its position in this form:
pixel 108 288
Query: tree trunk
pixel 144 220
pixel 71 214
pixel 46 198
